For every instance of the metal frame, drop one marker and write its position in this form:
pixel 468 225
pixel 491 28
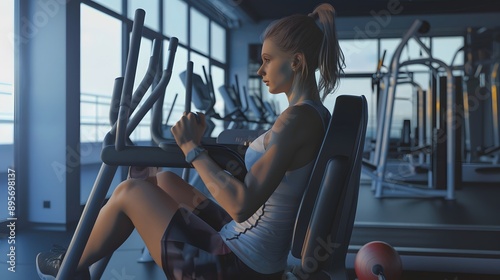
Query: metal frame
pixel 386 109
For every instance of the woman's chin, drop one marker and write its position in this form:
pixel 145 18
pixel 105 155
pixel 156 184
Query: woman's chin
pixel 274 91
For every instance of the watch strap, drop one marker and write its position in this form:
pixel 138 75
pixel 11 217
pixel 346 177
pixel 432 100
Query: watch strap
pixel 194 153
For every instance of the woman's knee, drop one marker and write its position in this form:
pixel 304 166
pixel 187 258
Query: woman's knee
pixel 128 188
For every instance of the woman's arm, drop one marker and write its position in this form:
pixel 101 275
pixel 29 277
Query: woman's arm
pixel 290 132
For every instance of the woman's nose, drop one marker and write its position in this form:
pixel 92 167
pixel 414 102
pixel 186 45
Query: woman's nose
pixel 260 72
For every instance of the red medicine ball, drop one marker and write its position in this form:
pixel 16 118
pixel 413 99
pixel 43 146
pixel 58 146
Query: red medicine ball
pixel 377 256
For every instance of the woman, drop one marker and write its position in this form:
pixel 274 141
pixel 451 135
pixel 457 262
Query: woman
pixel 246 233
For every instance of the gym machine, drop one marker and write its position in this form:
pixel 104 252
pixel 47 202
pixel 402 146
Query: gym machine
pixel 482 142
pixel 377 166
pixel 237 116
pixel 118 150
pixel 332 188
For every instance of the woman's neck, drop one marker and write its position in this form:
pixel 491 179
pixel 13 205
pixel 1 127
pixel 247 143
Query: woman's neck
pixel 307 90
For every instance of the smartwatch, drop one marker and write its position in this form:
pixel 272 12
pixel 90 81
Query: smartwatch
pixel 194 153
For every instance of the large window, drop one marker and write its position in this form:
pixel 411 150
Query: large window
pixel 448 49
pixel 105 27
pixel 101 55
pixel 361 56
pixel 6 72
pixel 218 42
pixel 175 20
pixel 151 7
pixel 6 96
pixel 103 52
pixel 175 89
pixel 199 31
pixel 411 51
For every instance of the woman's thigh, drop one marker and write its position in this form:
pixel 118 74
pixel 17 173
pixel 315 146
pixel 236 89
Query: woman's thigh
pixel 182 192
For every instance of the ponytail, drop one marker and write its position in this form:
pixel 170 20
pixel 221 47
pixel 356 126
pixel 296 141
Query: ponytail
pixel 330 58
pixel 315 36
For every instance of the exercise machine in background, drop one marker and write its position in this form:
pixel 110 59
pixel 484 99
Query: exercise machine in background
pixel 377 166
pixel 240 111
pixel 481 102
pixel 456 139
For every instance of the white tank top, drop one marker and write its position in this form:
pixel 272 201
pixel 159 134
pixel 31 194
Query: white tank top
pixel 263 241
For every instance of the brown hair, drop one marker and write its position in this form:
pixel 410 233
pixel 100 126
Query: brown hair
pixel 315 36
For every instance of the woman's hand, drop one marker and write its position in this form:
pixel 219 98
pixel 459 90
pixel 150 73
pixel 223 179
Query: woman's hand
pixel 189 130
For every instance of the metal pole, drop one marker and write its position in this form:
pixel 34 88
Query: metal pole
pixel 386 110
pixel 86 223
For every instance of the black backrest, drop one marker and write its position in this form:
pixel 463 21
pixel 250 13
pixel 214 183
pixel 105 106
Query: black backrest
pixel 326 215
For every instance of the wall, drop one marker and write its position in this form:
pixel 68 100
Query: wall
pixel 47 112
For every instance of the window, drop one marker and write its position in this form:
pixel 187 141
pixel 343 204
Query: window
pixel 175 23
pixel 100 65
pixel 176 86
pixel 115 5
pixel 7 72
pixel 218 42
pixel 199 31
pixel 102 53
pixel 447 49
pixel 360 55
pixel 142 131
pixel 412 50
pixel 151 7
pixel 6 95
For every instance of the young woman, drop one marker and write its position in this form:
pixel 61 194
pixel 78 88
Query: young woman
pixel 246 233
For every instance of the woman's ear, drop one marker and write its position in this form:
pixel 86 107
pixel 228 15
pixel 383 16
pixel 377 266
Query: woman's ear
pixel 297 61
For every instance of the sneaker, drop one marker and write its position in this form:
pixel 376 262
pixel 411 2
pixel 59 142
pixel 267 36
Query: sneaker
pixel 48 264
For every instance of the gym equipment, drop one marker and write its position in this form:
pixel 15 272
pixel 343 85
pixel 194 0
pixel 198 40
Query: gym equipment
pixel 480 99
pixel 378 260
pixel 234 105
pixel 117 150
pixel 237 118
pixel 376 168
pixel 203 99
pixel 494 149
pixel 262 110
pixel 333 186
pixel 407 145
pixel 328 208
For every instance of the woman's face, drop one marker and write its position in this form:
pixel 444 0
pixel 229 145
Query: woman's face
pixel 276 69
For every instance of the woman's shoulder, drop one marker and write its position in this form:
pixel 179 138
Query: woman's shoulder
pixel 311 110
pixel 301 118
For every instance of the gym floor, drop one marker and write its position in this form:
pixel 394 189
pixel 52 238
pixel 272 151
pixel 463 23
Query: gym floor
pixel 436 239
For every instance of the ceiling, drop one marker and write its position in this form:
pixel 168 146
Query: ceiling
pixel 259 10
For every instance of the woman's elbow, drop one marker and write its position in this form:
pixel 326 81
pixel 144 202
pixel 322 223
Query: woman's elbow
pixel 240 210
pixel 240 214
pixel 240 217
